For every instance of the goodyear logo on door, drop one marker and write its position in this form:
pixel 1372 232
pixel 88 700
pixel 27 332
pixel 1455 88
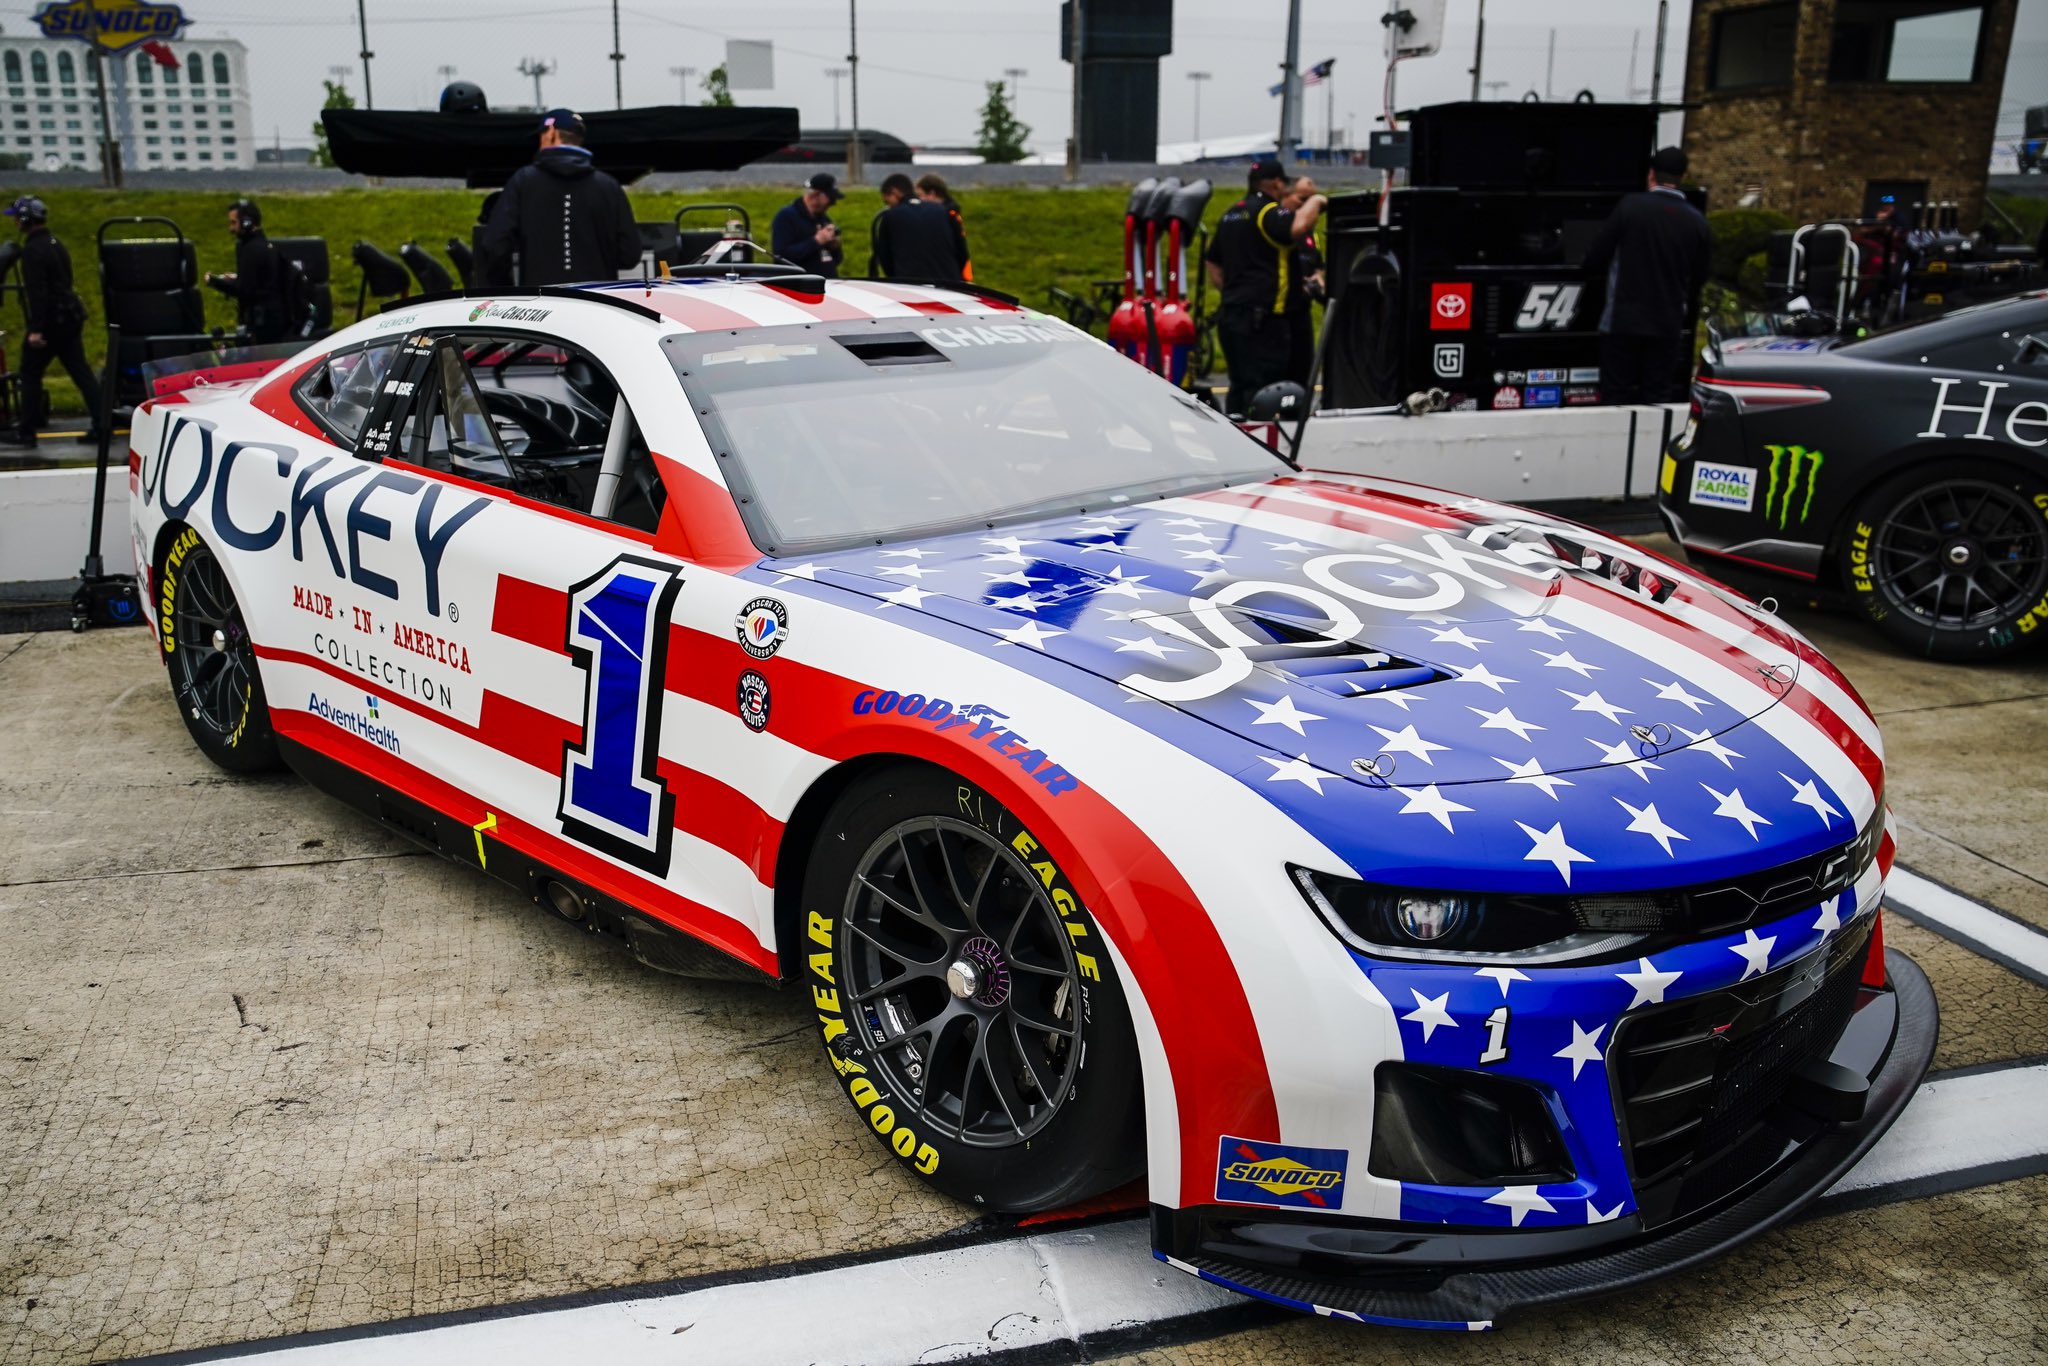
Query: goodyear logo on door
pixel 113 25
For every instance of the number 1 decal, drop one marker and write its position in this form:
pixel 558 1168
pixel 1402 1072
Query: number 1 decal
pixel 612 798
pixel 1496 1036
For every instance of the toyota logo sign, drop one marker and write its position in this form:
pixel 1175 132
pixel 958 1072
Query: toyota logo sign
pixel 1450 307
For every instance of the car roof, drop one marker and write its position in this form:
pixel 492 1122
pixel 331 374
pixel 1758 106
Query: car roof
pixel 737 302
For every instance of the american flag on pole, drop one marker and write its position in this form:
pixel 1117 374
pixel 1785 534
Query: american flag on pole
pixel 1318 73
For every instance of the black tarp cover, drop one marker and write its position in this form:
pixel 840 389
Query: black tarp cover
pixel 484 149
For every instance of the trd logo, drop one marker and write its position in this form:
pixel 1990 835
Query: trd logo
pixel 1448 359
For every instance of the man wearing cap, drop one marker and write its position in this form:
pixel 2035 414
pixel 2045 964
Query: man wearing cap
pixel 56 318
pixel 803 234
pixel 1652 255
pixel 1251 261
pixel 564 219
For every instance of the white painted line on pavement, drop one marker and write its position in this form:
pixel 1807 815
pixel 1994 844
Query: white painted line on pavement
pixel 1958 1124
pixel 2010 942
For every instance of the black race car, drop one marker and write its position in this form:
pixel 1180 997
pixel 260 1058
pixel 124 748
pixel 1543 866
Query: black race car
pixel 1906 471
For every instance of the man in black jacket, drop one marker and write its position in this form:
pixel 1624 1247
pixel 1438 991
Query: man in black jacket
pixel 1251 261
pixel 566 220
pixel 56 319
pixel 1652 254
pixel 915 239
pixel 804 234
pixel 257 285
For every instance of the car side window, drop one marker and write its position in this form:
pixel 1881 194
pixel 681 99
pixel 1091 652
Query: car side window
pixel 1985 353
pixel 339 392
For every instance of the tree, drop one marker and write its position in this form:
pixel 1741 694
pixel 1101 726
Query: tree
pixel 337 98
pixel 716 88
pixel 1001 139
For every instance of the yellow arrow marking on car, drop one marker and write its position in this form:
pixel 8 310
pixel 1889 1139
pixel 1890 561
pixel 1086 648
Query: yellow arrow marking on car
pixel 489 822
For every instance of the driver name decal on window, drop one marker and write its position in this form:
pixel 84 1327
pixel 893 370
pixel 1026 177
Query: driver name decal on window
pixel 1001 334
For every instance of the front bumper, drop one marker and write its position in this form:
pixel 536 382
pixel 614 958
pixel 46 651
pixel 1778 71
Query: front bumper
pixel 1416 1275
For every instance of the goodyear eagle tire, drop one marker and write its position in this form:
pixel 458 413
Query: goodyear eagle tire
pixel 967 1004
pixel 211 659
pixel 1952 565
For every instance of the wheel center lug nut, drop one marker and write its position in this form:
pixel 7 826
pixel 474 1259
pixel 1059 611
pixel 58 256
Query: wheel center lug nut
pixel 963 978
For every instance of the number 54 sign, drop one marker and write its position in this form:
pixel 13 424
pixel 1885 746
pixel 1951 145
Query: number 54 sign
pixel 1548 306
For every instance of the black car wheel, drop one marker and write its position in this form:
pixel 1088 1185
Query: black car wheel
pixel 967 1003
pixel 212 660
pixel 1953 566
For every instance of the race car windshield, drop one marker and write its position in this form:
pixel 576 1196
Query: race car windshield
pixel 835 435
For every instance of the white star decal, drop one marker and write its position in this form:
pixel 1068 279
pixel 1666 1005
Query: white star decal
pixel 915 553
pixel 1674 691
pixel 1519 1200
pixel 1807 794
pixel 1215 555
pixel 806 570
pixel 1708 743
pixel 1504 976
pixel 1289 545
pixel 1505 719
pixel 1532 773
pixel 1565 660
pixel 1551 848
pixel 1186 521
pixel 1648 983
pixel 1016 576
pixel 1583 1048
pixel 1016 602
pixel 1754 952
pixel 1620 753
pixel 1648 822
pixel 1479 673
pixel 1104 519
pixel 909 595
pixel 1406 741
pixel 1407 581
pixel 1126 585
pixel 1435 618
pixel 1594 702
pixel 1143 645
pixel 1427 801
pixel 1456 636
pixel 1282 713
pixel 1735 809
pixel 1009 545
pixel 1538 624
pixel 1203 580
pixel 1030 633
pixel 1197 536
pixel 1429 1012
pixel 1012 558
pixel 1831 915
pixel 1395 695
pixel 1297 770
pixel 905 571
pixel 1596 1215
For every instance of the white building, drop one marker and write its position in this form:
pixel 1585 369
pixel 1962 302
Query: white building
pixel 189 118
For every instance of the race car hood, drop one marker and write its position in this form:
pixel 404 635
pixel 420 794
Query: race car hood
pixel 1372 631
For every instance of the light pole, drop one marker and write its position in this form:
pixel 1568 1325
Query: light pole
pixel 363 29
pixel 618 63
pixel 1016 74
pixel 536 68
pixel 853 150
pixel 447 75
pixel 1199 78
pixel 682 75
pixel 1077 47
pixel 1478 49
pixel 838 74
pixel 341 75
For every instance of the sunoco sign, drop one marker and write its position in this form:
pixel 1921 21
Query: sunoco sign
pixel 111 25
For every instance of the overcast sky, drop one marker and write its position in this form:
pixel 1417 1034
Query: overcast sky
pixel 922 65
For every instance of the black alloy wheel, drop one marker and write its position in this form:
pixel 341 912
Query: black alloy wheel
pixel 213 661
pixel 964 977
pixel 969 1006
pixel 1954 567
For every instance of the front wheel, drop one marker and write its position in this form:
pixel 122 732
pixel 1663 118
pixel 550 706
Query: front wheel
pixel 1953 566
pixel 967 1003
pixel 212 659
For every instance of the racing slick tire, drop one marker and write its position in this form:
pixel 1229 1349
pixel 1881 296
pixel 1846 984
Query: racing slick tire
pixel 211 659
pixel 1952 564
pixel 966 1002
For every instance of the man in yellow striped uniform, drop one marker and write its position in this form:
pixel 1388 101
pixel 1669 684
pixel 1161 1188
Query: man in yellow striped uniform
pixel 1250 262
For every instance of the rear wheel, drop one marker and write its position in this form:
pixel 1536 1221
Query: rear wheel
pixel 1953 566
pixel 967 1003
pixel 212 659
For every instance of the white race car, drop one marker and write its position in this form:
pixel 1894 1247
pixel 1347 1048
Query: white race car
pixel 1447 909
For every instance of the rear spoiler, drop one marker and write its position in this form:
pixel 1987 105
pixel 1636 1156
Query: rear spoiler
pixel 223 365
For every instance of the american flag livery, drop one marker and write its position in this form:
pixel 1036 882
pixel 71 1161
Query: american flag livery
pixel 1185 699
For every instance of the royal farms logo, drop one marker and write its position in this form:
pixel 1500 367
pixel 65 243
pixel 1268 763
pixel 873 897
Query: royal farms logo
pixel 1790 481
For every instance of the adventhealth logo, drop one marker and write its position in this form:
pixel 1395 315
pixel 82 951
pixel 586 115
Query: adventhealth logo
pixel 355 722
pixel 1797 464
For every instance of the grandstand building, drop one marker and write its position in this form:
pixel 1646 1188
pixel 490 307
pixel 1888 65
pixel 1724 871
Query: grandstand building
pixel 189 117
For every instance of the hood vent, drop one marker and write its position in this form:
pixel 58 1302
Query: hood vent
pixel 1301 653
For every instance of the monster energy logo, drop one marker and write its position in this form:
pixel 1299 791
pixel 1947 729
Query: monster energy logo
pixel 1795 461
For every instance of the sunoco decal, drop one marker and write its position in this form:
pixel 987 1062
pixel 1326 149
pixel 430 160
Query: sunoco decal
pixel 1796 471
pixel 1249 1173
pixel 1724 486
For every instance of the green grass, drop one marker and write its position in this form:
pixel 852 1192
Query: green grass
pixel 1023 239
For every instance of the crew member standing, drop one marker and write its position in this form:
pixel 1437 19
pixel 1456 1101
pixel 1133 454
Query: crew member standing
pixel 1653 254
pixel 804 234
pixel 56 319
pixel 932 188
pixel 566 220
pixel 1251 261
pixel 1308 269
pixel 257 284
pixel 915 239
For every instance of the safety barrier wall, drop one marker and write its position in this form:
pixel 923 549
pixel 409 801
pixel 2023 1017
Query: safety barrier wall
pixel 45 517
